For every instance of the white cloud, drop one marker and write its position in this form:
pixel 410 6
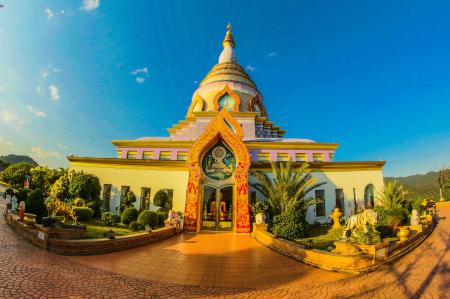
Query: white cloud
pixel 250 68
pixel 140 80
pixel 6 147
pixel 49 13
pixel 40 153
pixel 44 74
pixel 62 146
pixel 8 116
pixel 272 54
pixel 38 89
pixel 54 92
pixel 36 112
pixel 143 70
pixel 90 4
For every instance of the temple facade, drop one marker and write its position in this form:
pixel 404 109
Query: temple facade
pixel 206 161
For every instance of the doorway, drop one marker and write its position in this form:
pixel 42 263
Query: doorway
pixel 217 209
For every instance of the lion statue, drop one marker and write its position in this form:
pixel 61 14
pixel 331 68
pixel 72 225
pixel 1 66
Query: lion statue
pixel 368 216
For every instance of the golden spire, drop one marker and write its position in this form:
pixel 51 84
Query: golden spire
pixel 228 40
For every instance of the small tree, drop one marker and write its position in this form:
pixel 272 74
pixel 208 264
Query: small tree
pixel 43 178
pixel 393 196
pixel 443 180
pixel 163 201
pixel 60 189
pixel 128 201
pixel 35 204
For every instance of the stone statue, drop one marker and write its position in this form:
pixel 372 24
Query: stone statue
pixel 354 222
pixel 415 219
pixel 14 204
pixel 336 215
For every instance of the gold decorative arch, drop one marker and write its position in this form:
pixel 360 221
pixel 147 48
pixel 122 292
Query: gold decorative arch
pixel 256 100
pixel 219 128
pixel 227 89
pixel 196 99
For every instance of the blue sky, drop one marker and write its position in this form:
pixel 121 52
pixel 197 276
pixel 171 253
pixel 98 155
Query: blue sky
pixel 374 77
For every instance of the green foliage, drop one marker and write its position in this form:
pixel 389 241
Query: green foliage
pixel 388 220
pixel 149 218
pixel 393 196
pixel 133 226
pixel 128 201
pixel 95 206
pixel 288 188
pixel 162 216
pixel 110 218
pixel 34 204
pixel 79 202
pixel 162 200
pixel 15 174
pixel 22 194
pixel 60 188
pixel 83 213
pixel 290 225
pixel 129 214
pixel 84 185
pixel 43 178
pixel 259 207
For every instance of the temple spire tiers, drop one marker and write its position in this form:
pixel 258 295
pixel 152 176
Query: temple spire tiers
pixel 228 55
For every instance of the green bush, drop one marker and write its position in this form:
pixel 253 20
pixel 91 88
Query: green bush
pixel 78 202
pixel 95 206
pixel 388 220
pixel 130 214
pixel 149 218
pixel 290 225
pixel 110 218
pixel 83 213
pixel 161 218
pixel 34 204
pixel 162 200
pixel 22 195
pixel 133 226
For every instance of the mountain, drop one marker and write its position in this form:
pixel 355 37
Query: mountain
pixel 421 185
pixel 11 159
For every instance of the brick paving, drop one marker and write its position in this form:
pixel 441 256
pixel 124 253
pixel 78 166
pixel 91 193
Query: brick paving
pixel 29 272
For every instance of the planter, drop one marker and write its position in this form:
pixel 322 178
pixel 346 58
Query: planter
pixel 29 219
pixel 403 233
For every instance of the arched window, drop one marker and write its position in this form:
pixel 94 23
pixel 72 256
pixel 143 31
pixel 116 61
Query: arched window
pixel 369 197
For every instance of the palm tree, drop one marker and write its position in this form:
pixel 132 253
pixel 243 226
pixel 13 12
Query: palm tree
pixel 392 196
pixel 288 188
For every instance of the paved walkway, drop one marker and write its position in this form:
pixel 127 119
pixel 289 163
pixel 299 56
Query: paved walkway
pixel 210 265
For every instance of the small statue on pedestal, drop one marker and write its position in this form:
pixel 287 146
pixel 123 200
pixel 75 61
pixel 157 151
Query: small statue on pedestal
pixel 336 215
pixel 14 204
pixel 415 219
pixel 21 210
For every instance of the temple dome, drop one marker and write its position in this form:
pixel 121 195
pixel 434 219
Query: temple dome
pixel 227 79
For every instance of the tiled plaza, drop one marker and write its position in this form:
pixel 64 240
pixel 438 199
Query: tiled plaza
pixel 209 265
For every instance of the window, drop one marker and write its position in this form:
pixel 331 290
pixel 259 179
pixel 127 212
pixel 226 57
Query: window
pixel 264 157
pixel 331 156
pixel 283 157
pixel 123 194
pixel 145 198
pixel 119 154
pixel 340 201
pixel 317 157
pixel 147 155
pixel 106 196
pixel 131 154
pixel 300 157
pixel 369 200
pixel 182 156
pixel 320 206
pixel 163 155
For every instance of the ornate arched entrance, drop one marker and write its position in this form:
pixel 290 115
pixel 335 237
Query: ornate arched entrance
pixel 218 160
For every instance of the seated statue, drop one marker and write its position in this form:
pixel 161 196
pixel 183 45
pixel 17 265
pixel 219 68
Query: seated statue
pixel 223 210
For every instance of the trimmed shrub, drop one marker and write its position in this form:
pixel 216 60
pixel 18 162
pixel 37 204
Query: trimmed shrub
pixel 162 200
pixel 290 225
pixel 130 214
pixel 83 213
pixel 133 226
pixel 161 218
pixel 110 218
pixel 95 206
pixel 34 204
pixel 388 220
pixel 149 218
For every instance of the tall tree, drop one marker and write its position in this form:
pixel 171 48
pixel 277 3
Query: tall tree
pixel 443 179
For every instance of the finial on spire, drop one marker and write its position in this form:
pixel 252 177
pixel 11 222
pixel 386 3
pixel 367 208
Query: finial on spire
pixel 228 40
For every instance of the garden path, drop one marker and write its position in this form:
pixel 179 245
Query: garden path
pixel 26 271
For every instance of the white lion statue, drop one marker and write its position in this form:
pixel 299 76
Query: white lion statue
pixel 368 216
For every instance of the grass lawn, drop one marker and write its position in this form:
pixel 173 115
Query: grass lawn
pixel 322 237
pixel 95 228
